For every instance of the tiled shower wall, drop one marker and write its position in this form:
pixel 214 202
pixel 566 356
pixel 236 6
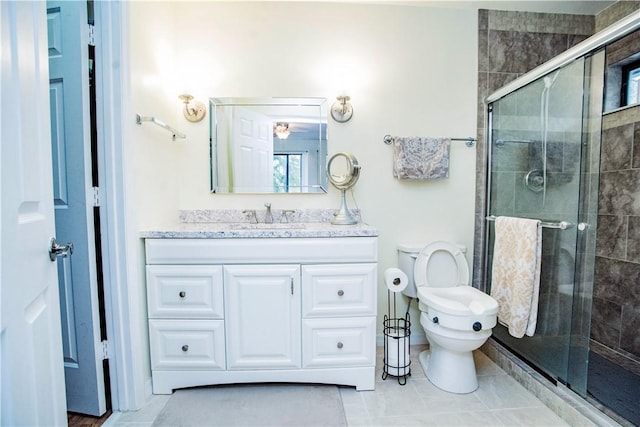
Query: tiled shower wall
pixel 615 314
pixel 509 45
pixel 615 317
pixel 512 43
pixel 615 12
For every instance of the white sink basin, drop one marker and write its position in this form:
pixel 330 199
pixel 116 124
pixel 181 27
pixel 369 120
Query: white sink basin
pixel 263 226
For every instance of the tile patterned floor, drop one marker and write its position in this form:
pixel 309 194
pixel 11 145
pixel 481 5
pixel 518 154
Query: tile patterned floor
pixel 499 401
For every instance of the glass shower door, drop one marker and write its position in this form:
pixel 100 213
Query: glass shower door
pixel 538 148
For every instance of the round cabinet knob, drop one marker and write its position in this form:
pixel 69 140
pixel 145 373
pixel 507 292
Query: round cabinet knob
pixel 185 348
pixel 477 326
pixel 435 319
pixel 340 292
pixel 340 345
pixel 182 294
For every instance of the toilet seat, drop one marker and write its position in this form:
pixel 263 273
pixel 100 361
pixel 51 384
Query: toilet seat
pixel 460 308
pixel 452 266
pixel 459 300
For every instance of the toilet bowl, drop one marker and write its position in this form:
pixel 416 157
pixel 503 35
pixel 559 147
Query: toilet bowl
pixel 457 318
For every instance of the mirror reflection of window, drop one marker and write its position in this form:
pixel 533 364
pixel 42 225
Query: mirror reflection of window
pixel 287 172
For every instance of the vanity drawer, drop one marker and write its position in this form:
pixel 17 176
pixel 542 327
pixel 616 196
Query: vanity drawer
pixel 187 344
pixel 338 342
pixel 339 290
pixel 185 291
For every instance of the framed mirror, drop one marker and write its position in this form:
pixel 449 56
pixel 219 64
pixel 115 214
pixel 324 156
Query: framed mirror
pixel 268 145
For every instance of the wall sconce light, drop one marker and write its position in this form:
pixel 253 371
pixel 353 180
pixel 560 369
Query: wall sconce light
pixel 342 110
pixel 193 111
pixel 281 130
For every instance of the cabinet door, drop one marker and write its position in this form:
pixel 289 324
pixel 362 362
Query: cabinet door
pixel 262 316
pixel 334 290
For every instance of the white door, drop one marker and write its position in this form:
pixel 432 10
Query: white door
pixel 31 374
pixel 253 151
pixel 262 316
pixel 74 211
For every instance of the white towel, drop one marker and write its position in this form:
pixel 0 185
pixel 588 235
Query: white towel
pixel 515 279
pixel 421 158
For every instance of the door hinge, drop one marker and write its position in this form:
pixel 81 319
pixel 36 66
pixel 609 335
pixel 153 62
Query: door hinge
pixel 105 350
pixel 96 196
pixel 92 37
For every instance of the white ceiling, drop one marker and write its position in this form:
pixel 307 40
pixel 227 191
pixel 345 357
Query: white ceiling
pixel 579 7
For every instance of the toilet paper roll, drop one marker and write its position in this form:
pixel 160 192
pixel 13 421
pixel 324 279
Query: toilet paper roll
pixel 395 279
pixel 397 359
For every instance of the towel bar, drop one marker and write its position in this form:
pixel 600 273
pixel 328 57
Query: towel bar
pixel 562 225
pixel 174 132
pixel 469 141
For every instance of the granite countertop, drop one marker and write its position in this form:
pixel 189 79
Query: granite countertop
pixel 227 224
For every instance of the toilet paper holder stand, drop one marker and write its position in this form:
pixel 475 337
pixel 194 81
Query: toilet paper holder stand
pixel 397 340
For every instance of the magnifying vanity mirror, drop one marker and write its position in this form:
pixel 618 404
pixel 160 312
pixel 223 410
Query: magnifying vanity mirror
pixel 268 145
pixel 343 171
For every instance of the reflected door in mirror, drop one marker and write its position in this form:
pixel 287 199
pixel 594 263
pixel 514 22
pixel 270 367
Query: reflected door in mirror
pixel 253 146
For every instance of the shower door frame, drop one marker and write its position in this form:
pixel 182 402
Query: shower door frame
pixel 574 343
pixel 511 135
pixel 577 362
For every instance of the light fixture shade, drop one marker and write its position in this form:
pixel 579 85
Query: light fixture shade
pixel 281 130
pixel 342 110
pixel 194 111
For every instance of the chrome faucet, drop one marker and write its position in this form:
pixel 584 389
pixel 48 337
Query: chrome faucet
pixel 285 218
pixel 268 218
pixel 251 216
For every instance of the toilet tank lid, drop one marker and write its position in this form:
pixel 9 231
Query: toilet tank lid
pixel 415 248
pixel 411 248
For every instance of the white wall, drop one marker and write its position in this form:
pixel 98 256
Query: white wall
pixel 409 70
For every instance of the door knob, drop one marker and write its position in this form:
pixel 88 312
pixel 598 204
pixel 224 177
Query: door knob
pixel 57 250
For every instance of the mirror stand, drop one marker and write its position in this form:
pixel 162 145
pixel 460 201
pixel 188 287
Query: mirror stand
pixel 343 171
pixel 343 216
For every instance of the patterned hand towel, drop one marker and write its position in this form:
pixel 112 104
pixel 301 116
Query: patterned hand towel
pixel 515 282
pixel 421 158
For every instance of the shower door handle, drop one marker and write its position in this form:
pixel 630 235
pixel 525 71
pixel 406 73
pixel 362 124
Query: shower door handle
pixel 583 226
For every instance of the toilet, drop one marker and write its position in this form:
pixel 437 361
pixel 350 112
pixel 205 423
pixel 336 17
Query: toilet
pixel 457 318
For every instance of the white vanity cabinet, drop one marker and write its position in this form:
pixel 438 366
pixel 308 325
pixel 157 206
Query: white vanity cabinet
pixel 240 310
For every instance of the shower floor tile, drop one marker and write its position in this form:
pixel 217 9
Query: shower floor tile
pixel 621 398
